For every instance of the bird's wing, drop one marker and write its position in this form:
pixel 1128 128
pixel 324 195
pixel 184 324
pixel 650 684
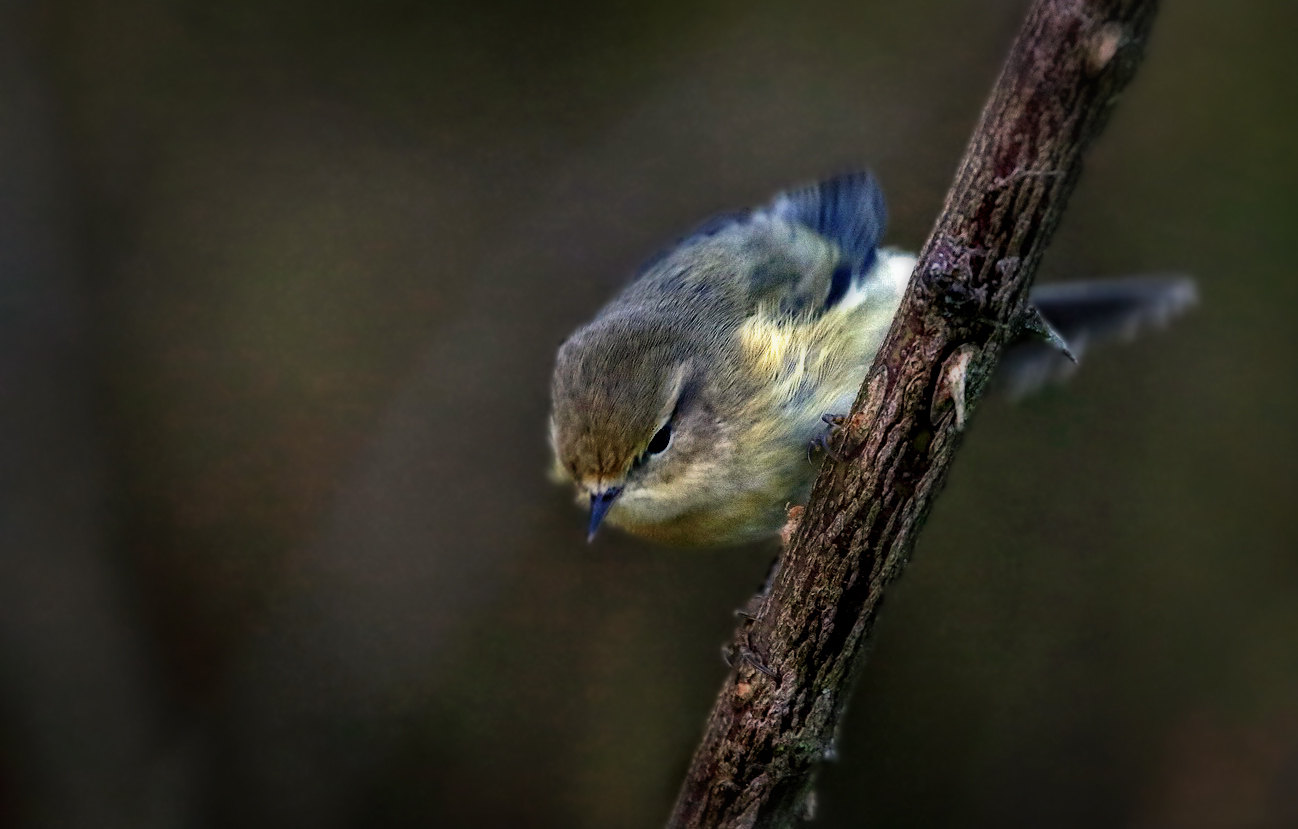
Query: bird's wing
pixel 801 254
pixel 849 212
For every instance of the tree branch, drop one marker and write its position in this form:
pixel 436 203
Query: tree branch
pixel 776 718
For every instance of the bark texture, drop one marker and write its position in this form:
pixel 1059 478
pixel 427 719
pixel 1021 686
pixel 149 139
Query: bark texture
pixel 775 719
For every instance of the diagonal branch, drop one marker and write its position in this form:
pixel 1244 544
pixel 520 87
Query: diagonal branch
pixel 775 719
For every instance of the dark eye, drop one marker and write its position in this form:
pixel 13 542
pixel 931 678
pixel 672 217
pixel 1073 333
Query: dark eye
pixel 660 440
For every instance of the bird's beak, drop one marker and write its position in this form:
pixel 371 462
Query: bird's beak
pixel 599 506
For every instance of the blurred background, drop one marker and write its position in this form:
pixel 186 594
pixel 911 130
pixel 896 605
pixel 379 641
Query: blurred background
pixel 280 286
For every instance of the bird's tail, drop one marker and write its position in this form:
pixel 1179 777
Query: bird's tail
pixel 1090 313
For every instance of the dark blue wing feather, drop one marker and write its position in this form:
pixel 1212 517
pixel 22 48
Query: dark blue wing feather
pixel 847 209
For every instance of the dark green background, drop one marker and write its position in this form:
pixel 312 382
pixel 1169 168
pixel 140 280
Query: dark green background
pixel 280 284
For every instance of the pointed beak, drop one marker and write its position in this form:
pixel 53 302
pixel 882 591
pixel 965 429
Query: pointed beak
pixel 599 505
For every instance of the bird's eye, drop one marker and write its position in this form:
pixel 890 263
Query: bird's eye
pixel 660 441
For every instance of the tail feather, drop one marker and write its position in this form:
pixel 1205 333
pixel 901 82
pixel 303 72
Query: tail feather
pixel 1090 313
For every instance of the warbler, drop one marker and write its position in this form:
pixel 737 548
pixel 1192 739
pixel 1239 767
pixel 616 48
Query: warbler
pixel 684 410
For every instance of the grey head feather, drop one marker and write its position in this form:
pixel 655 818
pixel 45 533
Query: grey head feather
pixel 610 386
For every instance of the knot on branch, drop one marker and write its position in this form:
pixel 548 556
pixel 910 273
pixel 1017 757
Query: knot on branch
pixel 952 385
pixel 1105 43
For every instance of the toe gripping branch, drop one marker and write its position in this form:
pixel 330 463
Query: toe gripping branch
pixel 834 423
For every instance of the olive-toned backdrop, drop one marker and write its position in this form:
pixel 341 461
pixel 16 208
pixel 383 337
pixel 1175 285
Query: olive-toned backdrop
pixel 280 284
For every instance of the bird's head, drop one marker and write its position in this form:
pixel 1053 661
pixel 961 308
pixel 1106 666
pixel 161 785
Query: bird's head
pixel 631 424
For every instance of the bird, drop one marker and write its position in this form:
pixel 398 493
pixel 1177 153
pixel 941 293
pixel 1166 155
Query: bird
pixel 684 410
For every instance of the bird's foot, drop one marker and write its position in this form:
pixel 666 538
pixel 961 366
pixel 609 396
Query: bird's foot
pixel 834 423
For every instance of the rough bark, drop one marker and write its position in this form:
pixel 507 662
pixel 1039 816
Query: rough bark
pixel 775 719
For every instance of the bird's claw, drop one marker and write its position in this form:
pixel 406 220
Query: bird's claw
pixel 736 654
pixel 835 423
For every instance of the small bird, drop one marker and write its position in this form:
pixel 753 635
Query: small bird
pixel 684 411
